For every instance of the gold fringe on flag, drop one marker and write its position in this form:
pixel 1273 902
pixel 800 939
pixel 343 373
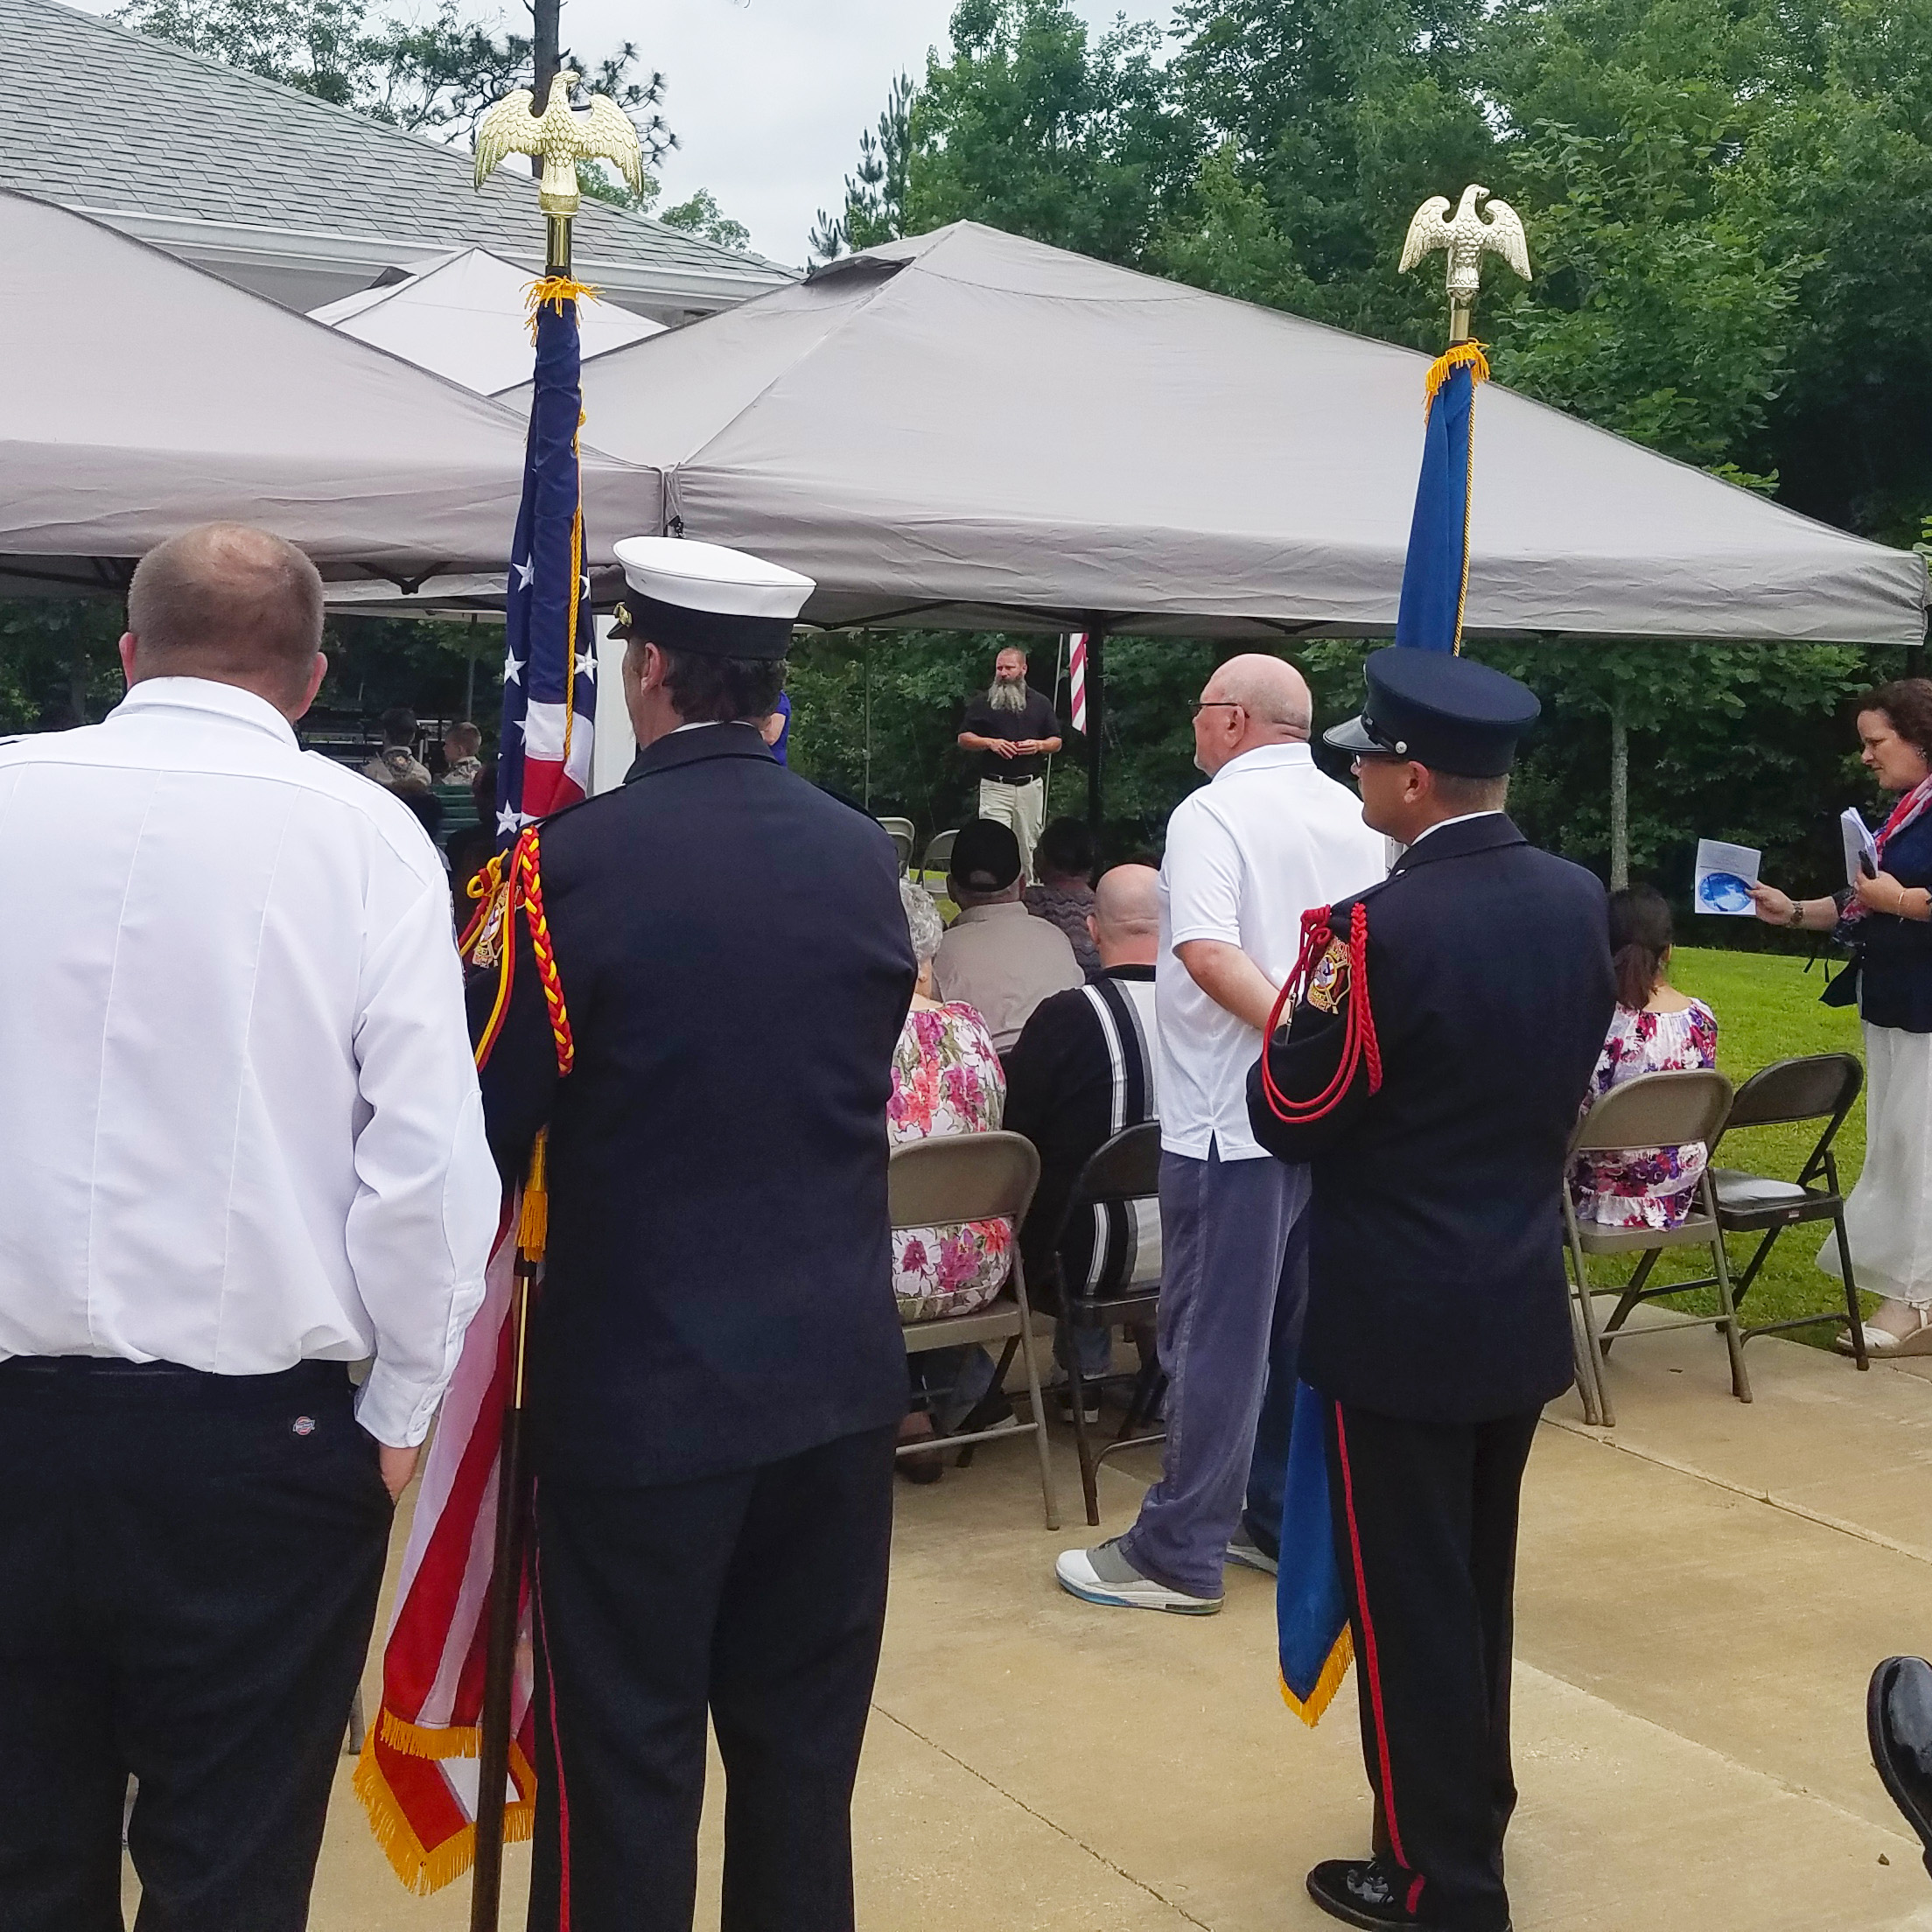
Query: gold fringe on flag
pixel 427 1741
pixel 1309 1710
pixel 425 1872
pixel 553 291
pixel 1468 354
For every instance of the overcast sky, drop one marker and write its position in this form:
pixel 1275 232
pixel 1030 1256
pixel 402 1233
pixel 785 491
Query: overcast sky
pixel 768 97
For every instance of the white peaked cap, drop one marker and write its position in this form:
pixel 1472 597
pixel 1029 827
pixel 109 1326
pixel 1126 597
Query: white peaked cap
pixel 707 576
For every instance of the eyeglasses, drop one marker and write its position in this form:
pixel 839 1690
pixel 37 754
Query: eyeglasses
pixel 1203 704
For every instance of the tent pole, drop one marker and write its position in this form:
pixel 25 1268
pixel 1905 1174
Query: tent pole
pixel 1096 721
pixel 1059 656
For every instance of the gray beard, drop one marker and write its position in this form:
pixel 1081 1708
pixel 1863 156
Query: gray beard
pixel 1007 697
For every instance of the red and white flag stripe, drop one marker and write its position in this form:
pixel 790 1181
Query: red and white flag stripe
pixel 1076 679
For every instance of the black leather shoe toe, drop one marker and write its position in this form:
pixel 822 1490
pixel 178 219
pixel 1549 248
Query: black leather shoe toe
pixel 1897 1721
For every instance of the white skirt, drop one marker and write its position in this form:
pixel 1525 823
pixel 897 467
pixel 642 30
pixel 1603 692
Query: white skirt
pixel 1889 1214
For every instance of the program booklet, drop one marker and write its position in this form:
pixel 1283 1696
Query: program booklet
pixel 1861 849
pixel 1726 875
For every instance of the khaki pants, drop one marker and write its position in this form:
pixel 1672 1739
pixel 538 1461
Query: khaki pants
pixel 1023 806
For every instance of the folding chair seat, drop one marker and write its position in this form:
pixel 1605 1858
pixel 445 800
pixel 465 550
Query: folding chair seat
pixel 1121 1175
pixel 1821 1087
pixel 939 854
pixel 1653 1110
pixel 977 1177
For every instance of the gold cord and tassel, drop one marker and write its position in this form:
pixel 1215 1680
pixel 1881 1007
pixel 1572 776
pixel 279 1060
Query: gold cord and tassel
pixel 1467 355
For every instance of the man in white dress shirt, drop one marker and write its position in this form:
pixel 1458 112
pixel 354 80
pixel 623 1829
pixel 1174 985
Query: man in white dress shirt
pixel 243 1147
pixel 1267 837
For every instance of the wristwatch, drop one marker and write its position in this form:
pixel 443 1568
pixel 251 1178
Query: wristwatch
pixel 1797 913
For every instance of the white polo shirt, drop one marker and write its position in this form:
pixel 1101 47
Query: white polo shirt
pixel 1270 836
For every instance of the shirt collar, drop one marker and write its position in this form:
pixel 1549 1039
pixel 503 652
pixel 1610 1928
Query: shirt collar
pixel 973 915
pixel 1126 972
pixel 1461 818
pixel 208 697
pixel 1267 758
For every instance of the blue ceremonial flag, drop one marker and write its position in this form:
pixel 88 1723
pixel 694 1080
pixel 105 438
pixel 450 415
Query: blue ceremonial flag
pixel 1436 575
pixel 1311 1611
pixel 550 664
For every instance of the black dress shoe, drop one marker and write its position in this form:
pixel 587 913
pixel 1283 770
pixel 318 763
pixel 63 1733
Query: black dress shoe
pixel 1898 1720
pixel 1366 1892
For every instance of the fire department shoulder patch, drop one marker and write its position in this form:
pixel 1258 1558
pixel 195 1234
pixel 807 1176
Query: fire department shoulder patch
pixel 1328 986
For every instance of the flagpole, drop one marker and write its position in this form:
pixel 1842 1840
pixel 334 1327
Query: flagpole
pixel 548 131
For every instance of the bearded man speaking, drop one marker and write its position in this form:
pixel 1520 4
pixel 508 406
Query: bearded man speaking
pixel 1013 730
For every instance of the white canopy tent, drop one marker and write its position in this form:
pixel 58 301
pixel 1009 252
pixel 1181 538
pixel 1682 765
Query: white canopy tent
pixel 464 317
pixel 966 429
pixel 145 395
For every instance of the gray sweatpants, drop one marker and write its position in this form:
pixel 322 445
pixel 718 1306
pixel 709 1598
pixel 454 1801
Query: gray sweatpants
pixel 1224 1227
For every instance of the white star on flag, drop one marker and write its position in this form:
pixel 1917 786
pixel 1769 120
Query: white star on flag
pixel 586 666
pixel 525 571
pixel 583 595
pixel 508 821
pixel 513 668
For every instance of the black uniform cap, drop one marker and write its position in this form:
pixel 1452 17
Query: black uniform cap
pixel 1447 712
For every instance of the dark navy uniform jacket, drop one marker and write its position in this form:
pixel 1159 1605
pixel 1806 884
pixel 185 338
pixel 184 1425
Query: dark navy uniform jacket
pixel 735 964
pixel 1436 1279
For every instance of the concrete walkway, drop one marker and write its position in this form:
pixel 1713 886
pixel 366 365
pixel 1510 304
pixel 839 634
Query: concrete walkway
pixel 1703 1593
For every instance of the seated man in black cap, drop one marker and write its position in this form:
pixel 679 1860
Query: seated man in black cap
pixel 996 956
pixel 717 1369
pixel 1450 1024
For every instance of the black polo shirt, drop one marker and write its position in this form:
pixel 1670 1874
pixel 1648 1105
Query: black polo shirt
pixel 1036 720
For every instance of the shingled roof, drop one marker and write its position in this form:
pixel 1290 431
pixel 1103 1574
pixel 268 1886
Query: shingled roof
pixel 287 195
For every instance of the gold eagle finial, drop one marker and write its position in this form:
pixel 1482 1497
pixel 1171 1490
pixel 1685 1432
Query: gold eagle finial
pixel 1466 237
pixel 561 139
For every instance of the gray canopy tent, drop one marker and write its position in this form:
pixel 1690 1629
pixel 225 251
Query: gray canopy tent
pixel 145 395
pixel 968 430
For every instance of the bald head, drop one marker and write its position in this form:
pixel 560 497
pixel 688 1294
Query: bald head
pixel 1125 920
pixel 1250 701
pixel 230 603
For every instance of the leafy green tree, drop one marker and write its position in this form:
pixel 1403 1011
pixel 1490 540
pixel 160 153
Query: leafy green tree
pixel 701 215
pixel 875 191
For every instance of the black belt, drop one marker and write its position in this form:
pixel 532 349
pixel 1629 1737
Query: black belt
pixel 100 1381
pixel 1004 778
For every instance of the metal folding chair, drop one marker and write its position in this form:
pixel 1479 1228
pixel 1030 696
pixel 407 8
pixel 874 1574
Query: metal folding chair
pixel 977 1177
pixel 1120 1174
pixel 1789 1093
pixel 1653 1110
pixel 939 854
pixel 900 831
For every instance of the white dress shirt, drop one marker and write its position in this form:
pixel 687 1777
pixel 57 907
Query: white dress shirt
pixel 240 1125
pixel 1270 836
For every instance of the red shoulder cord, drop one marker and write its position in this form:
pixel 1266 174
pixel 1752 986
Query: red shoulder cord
pixel 507 886
pixel 1359 1045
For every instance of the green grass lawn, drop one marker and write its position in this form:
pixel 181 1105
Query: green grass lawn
pixel 1767 1009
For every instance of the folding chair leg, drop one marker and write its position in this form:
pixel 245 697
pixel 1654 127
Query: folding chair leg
pixel 1090 1488
pixel 1740 1379
pixel 1032 1389
pixel 1632 1295
pixel 1850 1294
pixel 1594 1385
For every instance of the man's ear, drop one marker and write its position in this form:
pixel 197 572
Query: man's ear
pixel 127 648
pixel 317 671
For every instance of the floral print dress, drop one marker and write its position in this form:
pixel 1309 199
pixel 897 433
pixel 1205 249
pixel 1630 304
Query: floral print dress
pixel 1646 1187
pixel 946 1079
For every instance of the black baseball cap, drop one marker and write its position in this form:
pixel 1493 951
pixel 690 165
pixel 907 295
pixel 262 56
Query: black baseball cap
pixel 985 856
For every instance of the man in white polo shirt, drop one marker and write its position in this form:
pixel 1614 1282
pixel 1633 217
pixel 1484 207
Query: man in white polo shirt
pixel 1267 837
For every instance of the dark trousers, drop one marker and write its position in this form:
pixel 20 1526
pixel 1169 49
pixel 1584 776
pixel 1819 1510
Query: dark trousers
pixel 759 1596
pixel 188 1574
pixel 1425 1519
pixel 1268 1467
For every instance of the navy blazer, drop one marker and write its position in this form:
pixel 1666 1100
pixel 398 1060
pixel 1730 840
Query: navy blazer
pixel 1891 971
pixel 1436 1279
pixel 736 967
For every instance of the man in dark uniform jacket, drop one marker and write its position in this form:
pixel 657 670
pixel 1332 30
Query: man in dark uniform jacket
pixel 1438 1322
pixel 717 1366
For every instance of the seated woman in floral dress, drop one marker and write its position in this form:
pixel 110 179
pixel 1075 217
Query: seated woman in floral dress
pixel 1654 1030
pixel 946 1080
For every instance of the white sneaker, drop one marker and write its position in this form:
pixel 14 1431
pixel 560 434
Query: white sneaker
pixel 1103 1575
pixel 1059 1385
pixel 1242 1549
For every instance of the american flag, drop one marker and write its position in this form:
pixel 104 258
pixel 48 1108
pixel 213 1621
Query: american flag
pixel 549 665
pixel 418 1776
pixel 1077 679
